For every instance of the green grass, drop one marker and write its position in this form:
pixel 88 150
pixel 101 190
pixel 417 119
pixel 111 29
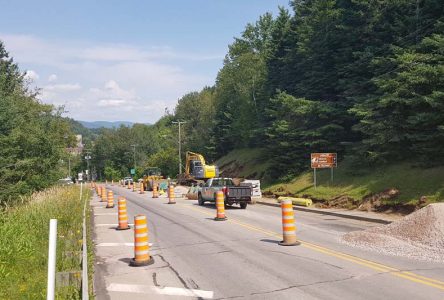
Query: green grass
pixel 24 233
pixel 348 181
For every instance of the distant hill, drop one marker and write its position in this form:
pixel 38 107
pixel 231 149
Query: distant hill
pixel 105 124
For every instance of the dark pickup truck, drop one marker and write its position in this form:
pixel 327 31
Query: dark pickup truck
pixel 233 194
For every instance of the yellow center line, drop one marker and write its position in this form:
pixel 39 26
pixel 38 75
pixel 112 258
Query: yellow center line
pixel 363 262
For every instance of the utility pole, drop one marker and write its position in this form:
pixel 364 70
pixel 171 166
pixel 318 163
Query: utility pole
pixel 88 158
pixel 134 155
pixel 180 144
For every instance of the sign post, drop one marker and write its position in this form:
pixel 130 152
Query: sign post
pixel 323 161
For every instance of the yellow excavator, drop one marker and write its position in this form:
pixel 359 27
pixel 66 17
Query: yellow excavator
pixel 196 169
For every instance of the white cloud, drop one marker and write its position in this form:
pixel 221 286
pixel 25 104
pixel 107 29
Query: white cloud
pixel 52 78
pixel 125 81
pixel 64 87
pixel 31 75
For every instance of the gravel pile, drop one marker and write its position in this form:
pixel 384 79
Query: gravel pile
pixel 419 235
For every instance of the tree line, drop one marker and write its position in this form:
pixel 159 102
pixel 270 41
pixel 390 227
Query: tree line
pixel 361 78
pixel 33 136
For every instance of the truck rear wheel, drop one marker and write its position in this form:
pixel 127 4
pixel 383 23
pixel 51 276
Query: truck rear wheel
pixel 243 205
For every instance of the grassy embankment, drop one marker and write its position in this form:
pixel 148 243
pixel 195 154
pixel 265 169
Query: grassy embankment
pixel 24 231
pixel 411 182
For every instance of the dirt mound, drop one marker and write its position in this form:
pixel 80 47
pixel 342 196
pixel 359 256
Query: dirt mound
pixel 374 201
pixel 419 235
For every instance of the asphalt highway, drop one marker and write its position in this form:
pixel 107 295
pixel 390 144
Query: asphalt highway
pixel 197 257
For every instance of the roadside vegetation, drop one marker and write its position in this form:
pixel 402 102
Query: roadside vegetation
pixel 387 187
pixel 33 137
pixel 24 232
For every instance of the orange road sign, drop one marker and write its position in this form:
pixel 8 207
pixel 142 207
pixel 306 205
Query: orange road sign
pixel 323 160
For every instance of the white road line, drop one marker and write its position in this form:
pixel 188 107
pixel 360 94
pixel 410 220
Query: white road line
pixel 171 291
pixel 106 214
pixel 115 244
pixel 98 225
pixel 118 244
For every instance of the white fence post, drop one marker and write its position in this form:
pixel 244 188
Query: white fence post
pixel 85 293
pixel 52 252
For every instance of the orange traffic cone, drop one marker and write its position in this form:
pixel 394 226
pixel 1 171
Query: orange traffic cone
pixel 155 191
pixel 171 196
pixel 122 217
pixel 220 206
pixel 103 194
pixel 110 200
pixel 288 226
pixel 141 246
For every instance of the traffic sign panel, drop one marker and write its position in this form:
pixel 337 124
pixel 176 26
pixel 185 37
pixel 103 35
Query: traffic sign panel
pixel 323 160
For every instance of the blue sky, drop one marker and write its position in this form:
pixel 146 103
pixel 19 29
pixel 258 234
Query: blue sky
pixel 123 60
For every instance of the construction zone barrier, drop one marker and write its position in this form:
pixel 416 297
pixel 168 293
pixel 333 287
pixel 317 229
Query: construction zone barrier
pixel 122 216
pixel 155 191
pixel 141 246
pixel 288 226
pixel 220 207
pixel 141 188
pixel 110 203
pixel 297 201
pixel 171 196
pixel 133 186
pixel 112 181
pixel 128 185
pixel 103 194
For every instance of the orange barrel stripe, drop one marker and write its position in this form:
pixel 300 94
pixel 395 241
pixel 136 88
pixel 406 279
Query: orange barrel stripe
pixel 155 191
pixel 141 247
pixel 110 200
pixel 122 216
pixel 220 206
pixel 171 196
pixel 288 224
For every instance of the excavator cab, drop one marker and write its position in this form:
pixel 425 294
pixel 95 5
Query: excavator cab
pixel 196 169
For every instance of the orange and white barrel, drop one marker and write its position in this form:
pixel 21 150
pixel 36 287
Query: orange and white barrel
pixel 141 247
pixel 110 203
pixel 288 224
pixel 103 194
pixel 171 196
pixel 112 181
pixel 155 191
pixel 122 216
pixel 129 185
pixel 142 188
pixel 220 206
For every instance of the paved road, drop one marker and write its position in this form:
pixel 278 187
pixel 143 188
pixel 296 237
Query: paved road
pixel 197 257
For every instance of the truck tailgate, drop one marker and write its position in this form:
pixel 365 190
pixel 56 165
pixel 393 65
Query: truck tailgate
pixel 239 192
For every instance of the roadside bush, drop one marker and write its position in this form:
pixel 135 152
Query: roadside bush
pixel 24 232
